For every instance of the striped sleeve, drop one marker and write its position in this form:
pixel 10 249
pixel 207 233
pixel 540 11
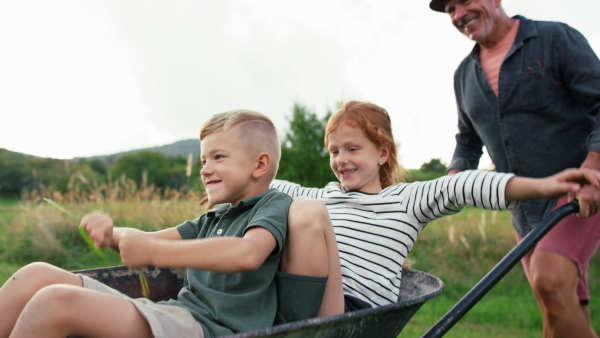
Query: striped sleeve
pixel 449 194
pixel 295 190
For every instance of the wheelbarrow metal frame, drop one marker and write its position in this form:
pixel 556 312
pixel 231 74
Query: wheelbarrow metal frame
pixel 500 270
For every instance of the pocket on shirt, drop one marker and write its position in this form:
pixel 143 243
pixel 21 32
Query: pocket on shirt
pixel 532 90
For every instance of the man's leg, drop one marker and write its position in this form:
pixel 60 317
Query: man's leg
pixel 311 249
pixel 557 271
pixel 554 280
pixel 23 285
pixel 66 310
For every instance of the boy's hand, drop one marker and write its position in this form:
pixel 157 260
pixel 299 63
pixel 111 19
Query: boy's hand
pixel 135 248
pixel 99 226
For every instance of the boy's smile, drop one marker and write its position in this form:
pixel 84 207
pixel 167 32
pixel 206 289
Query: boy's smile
pixel 226 167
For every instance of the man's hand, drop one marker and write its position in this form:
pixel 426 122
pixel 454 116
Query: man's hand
pixel 588 201
pixel 454 171
pixel 589 196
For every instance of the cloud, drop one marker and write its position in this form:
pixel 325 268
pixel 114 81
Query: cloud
pixel 96 77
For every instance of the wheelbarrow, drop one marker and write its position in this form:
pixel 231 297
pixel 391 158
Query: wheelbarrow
pixel 385 321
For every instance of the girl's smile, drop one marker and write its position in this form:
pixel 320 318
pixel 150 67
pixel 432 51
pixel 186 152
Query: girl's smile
pixel 355 159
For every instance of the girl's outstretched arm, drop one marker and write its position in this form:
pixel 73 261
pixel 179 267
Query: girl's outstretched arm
pixel 568 181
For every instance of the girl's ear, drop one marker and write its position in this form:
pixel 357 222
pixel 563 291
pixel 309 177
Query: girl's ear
pixel 384 153
pixel 262 163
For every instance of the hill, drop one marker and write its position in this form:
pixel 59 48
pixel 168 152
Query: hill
pixel 179 148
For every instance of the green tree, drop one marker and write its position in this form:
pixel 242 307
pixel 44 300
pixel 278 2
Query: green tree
pixel 12 173
pixel 304 158
pixel 428 171
pixel 435 165
pixel 158 169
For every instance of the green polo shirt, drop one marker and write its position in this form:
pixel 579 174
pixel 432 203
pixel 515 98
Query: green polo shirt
pixel 226 303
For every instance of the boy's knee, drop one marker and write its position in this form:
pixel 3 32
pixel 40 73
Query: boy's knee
pixel 308 213
pixel 35 276
pixel 55 301
pixel 34 269
pixel 36 273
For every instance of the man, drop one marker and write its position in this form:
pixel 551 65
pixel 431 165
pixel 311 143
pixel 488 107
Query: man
pixel 530 93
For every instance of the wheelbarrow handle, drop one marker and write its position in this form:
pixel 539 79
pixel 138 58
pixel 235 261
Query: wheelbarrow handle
pixel 502 268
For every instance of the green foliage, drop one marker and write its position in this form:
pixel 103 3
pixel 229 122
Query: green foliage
pixel 152 168
pixel 413 175
pixel 435 165
pixel 304 158
pixel 460 249
pixel 429 171
pixel 20 172
pixel 508 310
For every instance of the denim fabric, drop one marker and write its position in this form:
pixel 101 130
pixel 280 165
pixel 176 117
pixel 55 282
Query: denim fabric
pixel 546 116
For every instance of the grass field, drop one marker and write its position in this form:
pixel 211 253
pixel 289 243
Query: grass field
pixel 509 309
pixel 460 249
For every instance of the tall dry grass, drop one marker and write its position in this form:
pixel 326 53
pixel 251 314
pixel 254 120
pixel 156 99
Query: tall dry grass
pixel 39 232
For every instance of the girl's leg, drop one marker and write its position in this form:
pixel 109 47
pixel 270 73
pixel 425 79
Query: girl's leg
pixel 311 249
pixel 23 285
pixel 66 310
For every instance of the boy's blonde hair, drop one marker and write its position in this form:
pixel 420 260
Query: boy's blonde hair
pixel 375 123
pixel 257 133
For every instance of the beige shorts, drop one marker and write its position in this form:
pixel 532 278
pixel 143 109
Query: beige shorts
pixel 164 320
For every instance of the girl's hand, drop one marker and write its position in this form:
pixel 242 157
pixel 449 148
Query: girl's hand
pixel 569 181
pixel 99 226
pixel 135 248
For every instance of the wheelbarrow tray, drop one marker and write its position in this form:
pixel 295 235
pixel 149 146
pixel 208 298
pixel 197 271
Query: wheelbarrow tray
pixel 385 321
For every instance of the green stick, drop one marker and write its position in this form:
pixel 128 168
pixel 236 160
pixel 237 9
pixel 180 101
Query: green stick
pixel 97 250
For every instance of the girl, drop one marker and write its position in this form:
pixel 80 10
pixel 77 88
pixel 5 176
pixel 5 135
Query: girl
pixel 377 217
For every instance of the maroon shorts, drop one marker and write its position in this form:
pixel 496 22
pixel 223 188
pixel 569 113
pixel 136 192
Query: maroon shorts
pixel 575 238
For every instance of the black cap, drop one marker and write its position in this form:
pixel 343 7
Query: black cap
pixel 437 5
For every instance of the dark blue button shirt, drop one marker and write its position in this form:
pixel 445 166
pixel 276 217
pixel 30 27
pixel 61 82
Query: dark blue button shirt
pixel 545 117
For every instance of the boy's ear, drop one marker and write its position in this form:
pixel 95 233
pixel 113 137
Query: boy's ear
pixel 262 163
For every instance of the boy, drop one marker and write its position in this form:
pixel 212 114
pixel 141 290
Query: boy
pixel 231 254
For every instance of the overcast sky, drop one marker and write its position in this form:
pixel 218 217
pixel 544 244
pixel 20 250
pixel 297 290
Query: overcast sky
pixel 83 78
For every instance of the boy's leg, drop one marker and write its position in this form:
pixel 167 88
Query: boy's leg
pixel 311 249
pixel 66 310
pixel 23 285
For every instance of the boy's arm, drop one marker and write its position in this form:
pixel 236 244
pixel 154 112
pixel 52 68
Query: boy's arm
pixel 223 254
pixel 565 182
pixel 100 227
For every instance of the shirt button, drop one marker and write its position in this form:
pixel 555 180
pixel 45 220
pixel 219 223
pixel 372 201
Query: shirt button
pixel 220 231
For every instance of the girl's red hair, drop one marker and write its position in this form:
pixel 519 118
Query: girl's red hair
pixel 375 123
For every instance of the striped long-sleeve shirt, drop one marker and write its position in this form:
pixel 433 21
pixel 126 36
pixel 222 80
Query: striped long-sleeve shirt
pixel 375 232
